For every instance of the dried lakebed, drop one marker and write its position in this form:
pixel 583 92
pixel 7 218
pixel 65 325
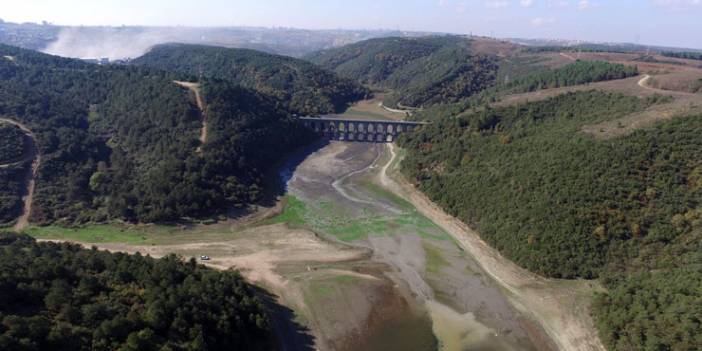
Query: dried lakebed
pixel 356 267
pixel 449 303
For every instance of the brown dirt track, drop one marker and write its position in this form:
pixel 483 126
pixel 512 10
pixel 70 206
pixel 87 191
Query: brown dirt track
pixel 31 154
pixel 195 89
pixel 683 102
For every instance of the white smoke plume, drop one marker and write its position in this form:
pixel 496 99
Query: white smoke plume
pixel 112 43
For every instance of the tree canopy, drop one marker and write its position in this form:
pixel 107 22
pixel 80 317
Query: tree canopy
pixel 560 203
pixel 581 72
pixel 12 145
pixel 684 55
pixel 63 297
pixel 420 71
pixel 303 87
pixel 120 141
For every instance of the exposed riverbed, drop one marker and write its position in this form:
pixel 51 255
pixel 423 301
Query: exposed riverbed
pixel 438 296
pixel 353 266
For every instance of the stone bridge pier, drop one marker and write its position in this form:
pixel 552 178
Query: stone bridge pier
pixel 374 131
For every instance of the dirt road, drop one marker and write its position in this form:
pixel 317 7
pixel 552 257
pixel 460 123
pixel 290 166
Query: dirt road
pixel 643 81
pixel 570 57
pixel 32 154
pixel 562 307
pixel 682 103
pixel 195 88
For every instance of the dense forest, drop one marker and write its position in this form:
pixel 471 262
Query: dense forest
pixel 563 204
pixel 581 72
pixel 420 71
pixel 12 171
pixel 12 145
pixel 11 191
pixel 303 87
pixel 119 142
pixel 526 74
pixel 62 297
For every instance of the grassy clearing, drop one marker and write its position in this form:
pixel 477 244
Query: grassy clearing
pixel 323 289
pixel 294 212
pixel 325 218
pixel 434 260
pixel 408 223
pixel 352 112
pixel 381 192
pixel 135 235
pixel 92 234
pixel 329 220
pixel 361 229
pixel 400 155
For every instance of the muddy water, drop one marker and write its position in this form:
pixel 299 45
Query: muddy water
pixel 452 304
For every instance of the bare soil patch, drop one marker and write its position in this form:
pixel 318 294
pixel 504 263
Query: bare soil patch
pixel 689 81
pixel 332 287
pixel 370 109
pixel 487 46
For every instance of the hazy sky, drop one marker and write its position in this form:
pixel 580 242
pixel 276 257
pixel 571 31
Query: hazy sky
pixel 663 22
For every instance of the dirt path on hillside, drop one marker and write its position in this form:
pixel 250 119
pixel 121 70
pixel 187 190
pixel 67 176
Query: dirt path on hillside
pixel 195 88
pixel 562 307
pixel 683 103
pixel 642 82
pixel 31 154
pixel 570 57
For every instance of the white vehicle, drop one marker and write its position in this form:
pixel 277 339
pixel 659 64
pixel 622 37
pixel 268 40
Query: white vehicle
pixel 204 258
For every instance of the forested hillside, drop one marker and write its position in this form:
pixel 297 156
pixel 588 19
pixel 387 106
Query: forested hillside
pixel 63 297
pixel 528 75
pixel 419 71
pixel 119 142
pixel 11 143
pixel 11 191
pixel 563 204
pixel 683 55
pixel 12 148
pixel 581 72
pixel 302 87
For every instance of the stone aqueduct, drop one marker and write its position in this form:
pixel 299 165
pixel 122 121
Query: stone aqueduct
pixel 359 130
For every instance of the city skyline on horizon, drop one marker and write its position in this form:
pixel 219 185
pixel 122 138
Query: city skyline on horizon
pixel 672 23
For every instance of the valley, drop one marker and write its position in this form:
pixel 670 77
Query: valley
pixel 316 254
